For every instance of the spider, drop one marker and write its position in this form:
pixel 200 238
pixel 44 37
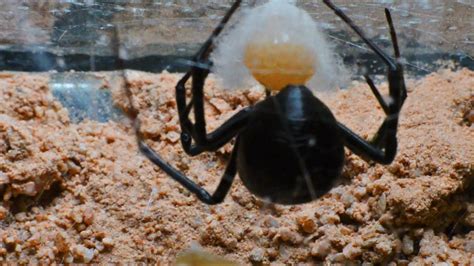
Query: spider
pixel 289 148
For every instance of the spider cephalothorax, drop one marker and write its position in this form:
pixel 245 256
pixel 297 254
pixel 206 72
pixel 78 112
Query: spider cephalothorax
pixel 289 148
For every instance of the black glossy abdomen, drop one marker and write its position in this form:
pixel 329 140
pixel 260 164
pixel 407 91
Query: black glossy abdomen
pixel 280 146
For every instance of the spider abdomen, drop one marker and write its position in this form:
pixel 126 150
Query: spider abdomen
pixel 291 150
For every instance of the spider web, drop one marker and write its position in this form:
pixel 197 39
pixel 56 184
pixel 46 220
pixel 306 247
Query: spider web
pixel 166 30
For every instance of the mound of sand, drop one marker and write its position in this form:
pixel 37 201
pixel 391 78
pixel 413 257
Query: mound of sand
pixel 83 192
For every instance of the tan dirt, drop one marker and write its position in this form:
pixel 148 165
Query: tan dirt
pixel 84 193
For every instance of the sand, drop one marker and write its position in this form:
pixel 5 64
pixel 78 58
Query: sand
pixel 84 193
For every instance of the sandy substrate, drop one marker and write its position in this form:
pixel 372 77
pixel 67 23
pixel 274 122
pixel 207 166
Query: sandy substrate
pixel 84 193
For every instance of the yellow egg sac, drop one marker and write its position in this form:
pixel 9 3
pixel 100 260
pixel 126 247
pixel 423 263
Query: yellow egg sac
pixel 276 65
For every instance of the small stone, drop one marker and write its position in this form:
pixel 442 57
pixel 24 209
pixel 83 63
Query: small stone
pixel 7 195
pixel 220 105
pixel 321 249
pixel 330 218
pixel 257 255
pixel 469 116
pixel 108 242
pixel 99 235
pixel 272 253
pixel 39 112
pixel 28 188
pixel 85 234
pixel 69 259
pixel 360 192
pixel 3 213
pixel 407 245
pixel 88 217
pixel 469 246
pixel 151 237
pixel 418 232
pixel 383 247
pixel 337 258
pixel 269 221
pixel 4 178
pixel 62 167
pixel 99 246
pixel 61 243
pixel 382 204
pixel 287 235
pixel 173 136
pixel 20 217
pixel 347 199
pixel 9 240
pixel 351 252
pixel 76 217
pixel 306 224
pixel 80 227
pixel 82 253
pixel 73 169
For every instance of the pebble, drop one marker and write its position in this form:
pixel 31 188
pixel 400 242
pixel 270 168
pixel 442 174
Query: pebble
pixel 407 245
pixel 351 251
pixel 220 105
pixel 257 255
pixel 306 224
pixel 3 213
pixel 20 217
pixel 347 199
pixel 382 204
pixel 337 258
pixel 330 218
pixel 173 136
pixel 469 246
pixel 470 116
pixel 88 217
pixel 76 217
pixel 321 249
pixel 108 242
pixel 61 243
pixel 4 178
pixel 287 235
pixel 82 253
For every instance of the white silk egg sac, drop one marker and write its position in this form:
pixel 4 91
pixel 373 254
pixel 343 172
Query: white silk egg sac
pixel 277 44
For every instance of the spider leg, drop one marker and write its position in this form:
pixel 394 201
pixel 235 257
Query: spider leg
pixel 377 94
pixel 393 34
pixel 370 151
pixel 397 89
pixel 197 131
pixel 383 147
pixel 387 59
pixel 218 137
pixel 203 195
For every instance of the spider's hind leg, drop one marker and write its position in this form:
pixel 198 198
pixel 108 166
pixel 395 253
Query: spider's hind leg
pixel 383 146
pixel 197 131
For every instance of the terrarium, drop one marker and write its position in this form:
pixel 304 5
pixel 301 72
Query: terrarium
pixel 120 119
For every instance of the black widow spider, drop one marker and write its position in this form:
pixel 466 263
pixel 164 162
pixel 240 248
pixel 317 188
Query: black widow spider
pixel 289 148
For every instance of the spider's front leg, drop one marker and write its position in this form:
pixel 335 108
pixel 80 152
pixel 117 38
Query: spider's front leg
pixel 202 194
pixel 383 147
pixel 197 131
